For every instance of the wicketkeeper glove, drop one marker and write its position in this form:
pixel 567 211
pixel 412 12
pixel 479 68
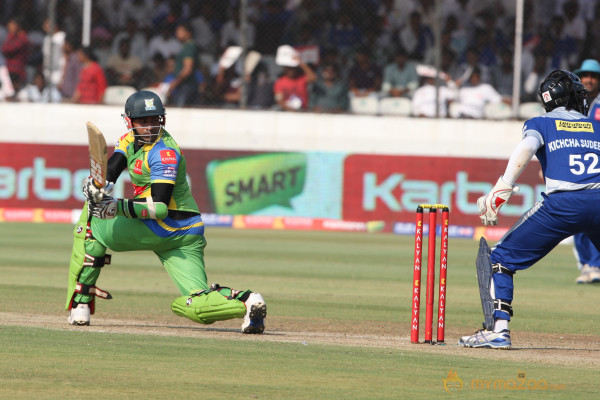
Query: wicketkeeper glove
pixel 490 204
pixel 93 193
pixel 104 209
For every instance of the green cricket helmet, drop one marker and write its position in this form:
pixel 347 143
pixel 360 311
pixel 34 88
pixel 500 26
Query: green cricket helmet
pixel 144 104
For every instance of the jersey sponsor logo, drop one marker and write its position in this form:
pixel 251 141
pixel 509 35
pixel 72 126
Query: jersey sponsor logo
pixel 168 157
pixel 170 172
pixel 137 168
pixel 573 126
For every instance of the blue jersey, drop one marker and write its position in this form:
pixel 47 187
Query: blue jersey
pixel 570 151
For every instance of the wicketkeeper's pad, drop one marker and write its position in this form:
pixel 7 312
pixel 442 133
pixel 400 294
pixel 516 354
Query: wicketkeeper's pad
pixel 484 278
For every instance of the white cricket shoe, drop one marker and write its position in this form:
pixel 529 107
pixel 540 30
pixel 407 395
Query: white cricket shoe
pixel 487 340
pixel 79 315
pixel 256 312
pixel 589 274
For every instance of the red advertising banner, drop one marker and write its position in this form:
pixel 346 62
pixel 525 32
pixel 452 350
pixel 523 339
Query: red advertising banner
pixel 356 188
pixel 50 176
pixel 389 188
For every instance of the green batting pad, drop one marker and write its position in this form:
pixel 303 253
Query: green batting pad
pixel 208 308
pixel 77 254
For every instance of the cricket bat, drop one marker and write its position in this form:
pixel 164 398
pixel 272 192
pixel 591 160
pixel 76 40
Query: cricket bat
pixel 98 154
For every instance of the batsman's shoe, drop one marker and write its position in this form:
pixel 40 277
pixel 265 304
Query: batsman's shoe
pixel 589 274
pixel 487 339
pixel 79 315
pixel 256 312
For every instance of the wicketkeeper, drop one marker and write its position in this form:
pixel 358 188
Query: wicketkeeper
pixel 567 144
pixel 162 217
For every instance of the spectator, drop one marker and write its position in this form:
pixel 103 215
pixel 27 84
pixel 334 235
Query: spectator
pixel 425 97
pixel 92 81
pixel 400 77
pixel 112 11
pixel 364 77
pixel 329 93
pixel 492 38
pixel 378 41
pixel 416 37
pixel 260 88
pixel 101 39
pixel 227 89
pixel 591 48
pixel 164 43
pixel 474 96
pixel 7 90
pixel 448 62
pixel 203 34
pixel 311 15
pixel 16 49
pixel 291 89
pixel 502 74
pixel 575 26
pixel 459 37
pixel 465 68
pixel 71 70
pixel 136 37
pixel 589 73
pixel 231 34
pixel 38 92
pixel 54 62
pixel 561 47
pixel 344 35
pixel 270 27
pixel 139 10
pixel 183 89
pixel 123 68
pixel 532 81
pixel 170 77
pixel 392 16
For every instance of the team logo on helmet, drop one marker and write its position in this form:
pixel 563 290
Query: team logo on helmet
pixel 546 96
pixel 150 104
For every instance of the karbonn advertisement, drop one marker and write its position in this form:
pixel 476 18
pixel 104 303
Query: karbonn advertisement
pixel 352 187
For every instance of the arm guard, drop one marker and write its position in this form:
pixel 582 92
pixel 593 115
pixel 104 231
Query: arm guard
pixel 144 209
pixel 154 207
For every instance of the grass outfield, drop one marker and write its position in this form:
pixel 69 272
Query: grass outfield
pixel 338 324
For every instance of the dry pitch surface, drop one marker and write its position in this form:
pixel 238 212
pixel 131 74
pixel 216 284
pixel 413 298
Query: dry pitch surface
pixel 575 350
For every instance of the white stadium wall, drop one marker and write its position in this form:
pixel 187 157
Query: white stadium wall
pixel 272 131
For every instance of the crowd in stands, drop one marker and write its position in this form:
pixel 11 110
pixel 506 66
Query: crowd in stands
pixel 342 50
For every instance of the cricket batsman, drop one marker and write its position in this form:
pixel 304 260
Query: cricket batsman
pixel 161 217
pixel 567 144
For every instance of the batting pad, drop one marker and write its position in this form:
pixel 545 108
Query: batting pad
pixel 208 308
pixel 77 255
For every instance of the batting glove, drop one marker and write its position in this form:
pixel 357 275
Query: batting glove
pixel 93 193
pixel 104 209
pixel 490 204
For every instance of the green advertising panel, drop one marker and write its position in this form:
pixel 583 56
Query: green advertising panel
pixel 247 184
